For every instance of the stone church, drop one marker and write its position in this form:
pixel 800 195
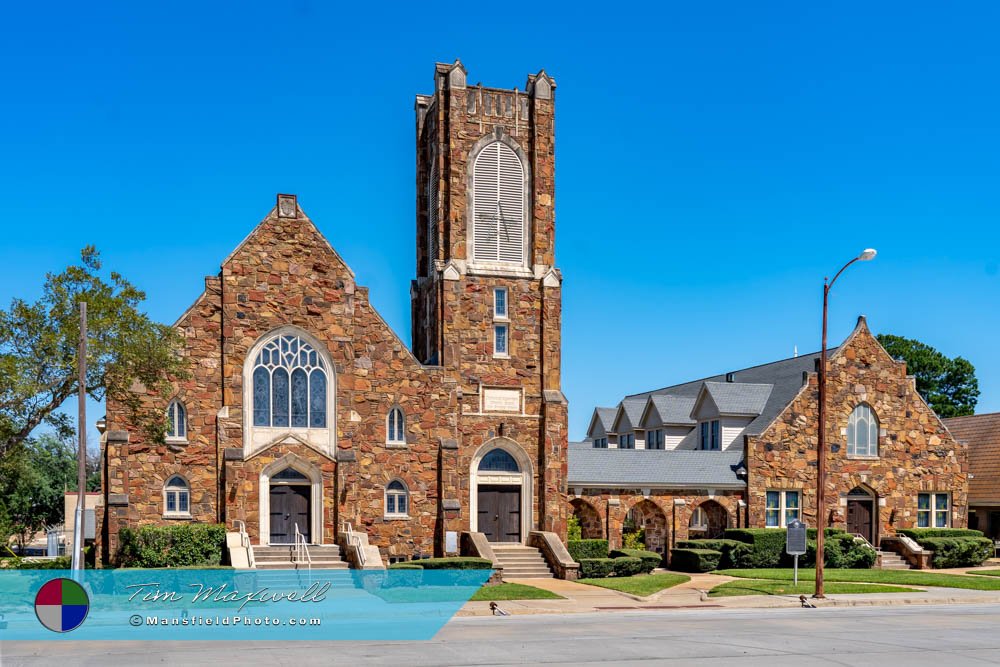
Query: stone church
pixel 304 412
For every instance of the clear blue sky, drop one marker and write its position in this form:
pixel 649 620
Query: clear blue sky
pixel 714 161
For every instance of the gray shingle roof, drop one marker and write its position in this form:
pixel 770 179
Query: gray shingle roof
pixel 784 376
pixel 653 468
pixel 633 408
pixel 674 409
pixel 606 416
pixel 739 398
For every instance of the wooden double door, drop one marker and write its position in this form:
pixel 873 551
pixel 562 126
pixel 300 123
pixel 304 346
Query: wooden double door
pixel 499 513
pixel 859 518
pixel 290 505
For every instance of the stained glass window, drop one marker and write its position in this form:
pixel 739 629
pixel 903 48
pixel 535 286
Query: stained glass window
pixel 176 421
pixel 289 385
pixel 395 427
pixel 862 432
pixel 498 460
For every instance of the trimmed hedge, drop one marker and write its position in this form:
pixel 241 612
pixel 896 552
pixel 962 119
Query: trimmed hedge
pixel 920 533
pixel 406 565
pixel 694 560
pixel 958 551
pixel 579 549
pixel 172 546
pixel 768 545
pixel 596 568
pixel 626 566
pixel 842 551
pixel 650 559
pixel 455 563
pixel 735 554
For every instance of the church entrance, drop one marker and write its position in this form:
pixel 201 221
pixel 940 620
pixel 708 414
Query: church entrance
pixel 860 513
pixel 290 500
pixel 499 510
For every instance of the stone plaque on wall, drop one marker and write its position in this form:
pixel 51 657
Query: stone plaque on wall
pixel 502 400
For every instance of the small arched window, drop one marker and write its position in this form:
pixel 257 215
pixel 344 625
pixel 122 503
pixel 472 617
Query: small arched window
pixel 395 432
pixel 498 205
pixel 498 460
pixel 397 499
pixel 862 432
pixel 177 497
pixel 176 421
pixel 289 385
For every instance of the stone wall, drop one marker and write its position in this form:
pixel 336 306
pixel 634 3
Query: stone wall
pixel 916 452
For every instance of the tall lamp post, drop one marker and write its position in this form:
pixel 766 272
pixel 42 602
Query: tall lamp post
pixel 868 254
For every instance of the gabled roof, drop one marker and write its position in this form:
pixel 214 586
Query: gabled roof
pixel 631 410
pixel 981 433
pixel 636 468
pixel 735 398
pixel 604 416
pixel 670 410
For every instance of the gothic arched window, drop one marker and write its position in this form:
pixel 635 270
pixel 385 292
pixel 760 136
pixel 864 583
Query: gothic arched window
pixel 395 433
pixel 862 432
pixel 289 385
pixel 176 421
pixel 498 206
pixel 397 499
pixel 498 460
pixel 176 496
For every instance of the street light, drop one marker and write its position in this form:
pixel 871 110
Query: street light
pixel 866 255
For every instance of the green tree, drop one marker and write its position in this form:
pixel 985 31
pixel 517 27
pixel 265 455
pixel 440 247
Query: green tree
pixel 38 353
pixel 949 385
pixel 33 480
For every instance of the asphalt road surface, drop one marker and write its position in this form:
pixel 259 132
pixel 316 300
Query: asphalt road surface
pixel 885 636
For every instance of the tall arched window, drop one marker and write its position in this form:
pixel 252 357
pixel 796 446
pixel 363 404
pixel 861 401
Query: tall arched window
pixel 395 432
pixel 862 432
pixel 176 421
pixel 498 460
pixel 498 205
pixel 176 497
pixel 289 385
pixel 397 499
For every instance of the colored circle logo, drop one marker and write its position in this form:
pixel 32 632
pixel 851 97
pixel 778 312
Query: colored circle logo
pixel 61 605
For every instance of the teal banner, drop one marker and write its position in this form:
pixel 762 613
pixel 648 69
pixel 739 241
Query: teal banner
pixel 137 604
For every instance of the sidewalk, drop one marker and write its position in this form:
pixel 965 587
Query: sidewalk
pixel 581 598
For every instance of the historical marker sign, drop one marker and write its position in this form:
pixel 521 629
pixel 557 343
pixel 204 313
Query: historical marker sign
pixel 795 540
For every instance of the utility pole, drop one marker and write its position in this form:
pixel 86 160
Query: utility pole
pixel 81 489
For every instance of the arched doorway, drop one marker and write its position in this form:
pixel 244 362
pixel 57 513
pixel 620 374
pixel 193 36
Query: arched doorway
pixel 646 517
pixel 591 526
pixel 291 496
pixel 501 491
pixel 861 513
pixel 709 520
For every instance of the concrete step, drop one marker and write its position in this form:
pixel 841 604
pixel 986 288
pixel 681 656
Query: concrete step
pixel 521 562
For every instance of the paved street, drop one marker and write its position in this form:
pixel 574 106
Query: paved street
pixel 884 636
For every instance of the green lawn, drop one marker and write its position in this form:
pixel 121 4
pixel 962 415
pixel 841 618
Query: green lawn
pixel 903 577
pixel 988 573
pixel 772 587
pixel 507 591
pixel 640 584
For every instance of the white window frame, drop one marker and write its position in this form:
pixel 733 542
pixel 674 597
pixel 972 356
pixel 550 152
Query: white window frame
pixel 503 353
pixel 488 204
pixel 932 511
pixel 177 409
pixel 710 435
pixel 498 315
pixel 396 495
pixel 395 434
pixel 177 491
pixel 873 427
pixel 783 506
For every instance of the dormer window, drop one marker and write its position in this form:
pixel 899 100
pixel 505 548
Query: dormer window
pixel 601 443
pixel 710 435
pixel 626 441
pixel 654 439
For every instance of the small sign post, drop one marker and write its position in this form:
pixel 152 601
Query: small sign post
pixel 795 543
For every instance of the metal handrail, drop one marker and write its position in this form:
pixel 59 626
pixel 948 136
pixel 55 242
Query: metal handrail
pixel 354 540
pixel 301 548
pixel 245 543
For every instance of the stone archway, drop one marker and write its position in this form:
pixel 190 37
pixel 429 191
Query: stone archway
pixel 591 525
pixel 648 517
pixel 709 520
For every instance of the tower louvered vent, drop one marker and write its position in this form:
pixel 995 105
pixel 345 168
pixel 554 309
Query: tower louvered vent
pixel 433 186
pixel 498 193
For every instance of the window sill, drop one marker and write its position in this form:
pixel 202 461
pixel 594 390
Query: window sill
pixel 176 441
pixel 501 356
pixel 863 457
pixel 396 445
pixel 397 517
pixel 178 517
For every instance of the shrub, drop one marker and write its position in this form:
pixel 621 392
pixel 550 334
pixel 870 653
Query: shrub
pixel 58 563
pixel 958 551
pixel 406 566
pixel 596 568
pixel 920 533
pixel 188 544
pixel 634 539
pixel 456 563
pixel 579 549
pixel 650 559
pixel 768 544
pixel 734 553
pixel 694 560
pixel 626 566
pixel 573 530
pixel 842 551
